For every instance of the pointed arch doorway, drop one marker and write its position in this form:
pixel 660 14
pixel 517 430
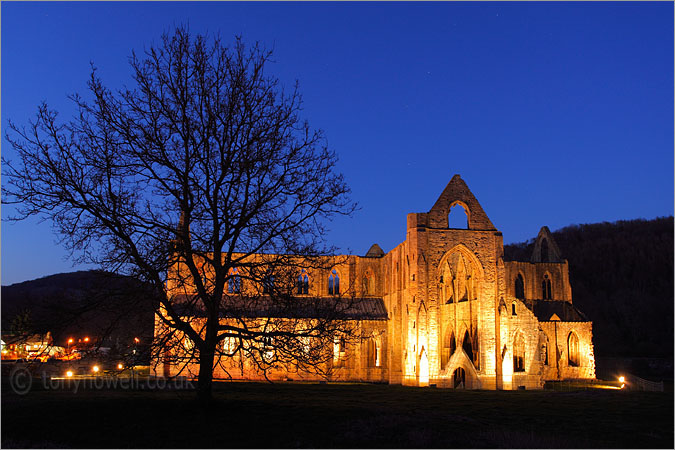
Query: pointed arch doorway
pixel 459 378
pixel 424 369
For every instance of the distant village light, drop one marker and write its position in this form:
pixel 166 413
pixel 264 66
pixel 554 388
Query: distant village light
pixel 120 366
pixel 95 368
pixel 86 339
pixel 69 373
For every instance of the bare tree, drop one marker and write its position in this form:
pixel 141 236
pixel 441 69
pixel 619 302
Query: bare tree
pixel 207 136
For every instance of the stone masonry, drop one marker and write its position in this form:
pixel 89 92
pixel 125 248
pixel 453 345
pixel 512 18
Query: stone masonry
pixel 457 315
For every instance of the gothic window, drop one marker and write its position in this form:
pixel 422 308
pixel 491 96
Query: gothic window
pixel 303 283
pixel 459 378
pixel 520 287
pixel 546 288
pixel 268 348
pixel 573 350
pixel 466 345
pixel 513 309
pixel 188 344
pixel 373 352
pixel 339 351
pixel 447 285
pixel 458 217
pixel 229 344
pixel 449 346
pixel 334 283
pixel 545 352
pixel 234 282
pixel 519 353
pixel 268 284
pixel 544 250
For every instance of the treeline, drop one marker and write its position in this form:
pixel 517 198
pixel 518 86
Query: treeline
pixel 622 278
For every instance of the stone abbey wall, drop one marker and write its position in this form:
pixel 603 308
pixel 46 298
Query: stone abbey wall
pixel 457 314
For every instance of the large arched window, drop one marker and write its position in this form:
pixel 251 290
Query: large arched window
pixel 466 345
pixel 234 282
pixel 268 283
pixel 303 283
pixel 544 250
pixel 334 283
pixel 546 288
pixel 520 287
pixel 519 353
pixel 449 346
pixel 573 350
pixel 458 217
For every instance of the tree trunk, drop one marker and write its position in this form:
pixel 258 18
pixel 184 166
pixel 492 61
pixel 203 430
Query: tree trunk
pixel 205 380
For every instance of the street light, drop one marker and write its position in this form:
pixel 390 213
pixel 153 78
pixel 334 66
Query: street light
pixel 95 369
pixel 86 339
pixel 133 363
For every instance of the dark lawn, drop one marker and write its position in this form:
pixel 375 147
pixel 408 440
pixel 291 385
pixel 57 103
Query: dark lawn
pixel 313 415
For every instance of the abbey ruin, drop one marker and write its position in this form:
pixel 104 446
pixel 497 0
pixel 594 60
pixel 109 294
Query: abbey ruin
pixel 443 308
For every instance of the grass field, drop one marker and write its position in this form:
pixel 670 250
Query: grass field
pixel 337 416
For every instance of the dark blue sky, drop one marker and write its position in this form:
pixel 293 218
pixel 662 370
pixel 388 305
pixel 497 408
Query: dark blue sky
pixel 553 113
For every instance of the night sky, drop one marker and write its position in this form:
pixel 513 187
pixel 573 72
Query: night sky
pixel 553 113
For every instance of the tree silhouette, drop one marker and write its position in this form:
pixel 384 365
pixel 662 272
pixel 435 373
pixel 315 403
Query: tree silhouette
pixel 202 167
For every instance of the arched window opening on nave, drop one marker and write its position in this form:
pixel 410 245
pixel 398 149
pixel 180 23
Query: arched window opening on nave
pixel 458 218
pixel 544 250
pixel 466 345
pixel 374 353
pixel 546 288
pixel 459 378
pixel 520 287
pixel 303 283
pixel 234 282
pixel 448 349
pixel 519 353
pixel 573 350
pixel 334 283
pixel 268 283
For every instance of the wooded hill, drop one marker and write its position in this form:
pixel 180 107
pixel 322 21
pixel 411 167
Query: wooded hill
pixel 622 279
pixel 113 309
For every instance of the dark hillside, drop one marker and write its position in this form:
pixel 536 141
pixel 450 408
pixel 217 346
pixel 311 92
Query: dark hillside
pixel 86 303
pixel 622 278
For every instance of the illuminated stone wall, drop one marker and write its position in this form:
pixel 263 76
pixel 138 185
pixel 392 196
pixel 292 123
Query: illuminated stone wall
pixel 454 316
